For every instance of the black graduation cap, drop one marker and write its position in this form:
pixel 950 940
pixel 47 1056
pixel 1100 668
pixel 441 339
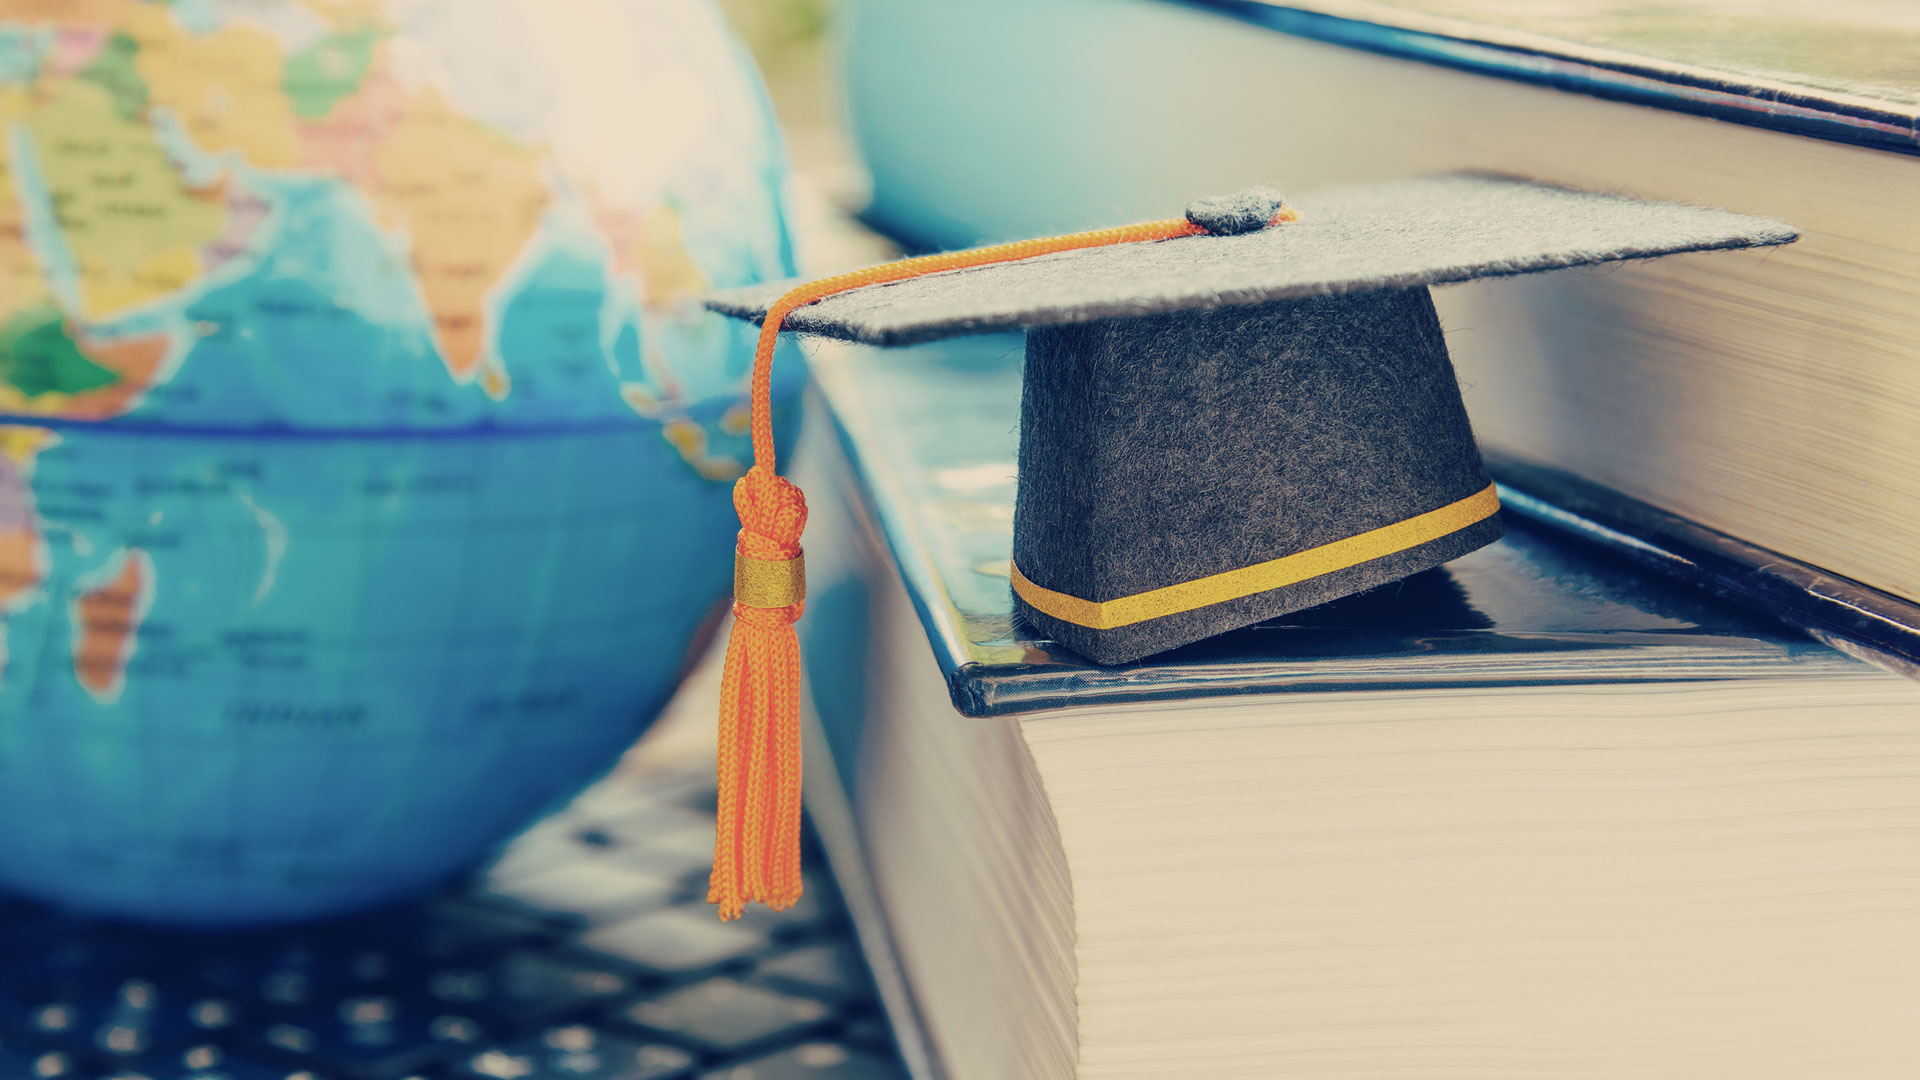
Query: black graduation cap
pixel 1227 427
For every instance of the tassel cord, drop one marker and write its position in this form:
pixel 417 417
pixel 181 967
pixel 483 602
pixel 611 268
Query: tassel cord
pixel 757 838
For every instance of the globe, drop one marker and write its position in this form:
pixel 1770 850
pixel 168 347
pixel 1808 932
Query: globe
pixel 364 451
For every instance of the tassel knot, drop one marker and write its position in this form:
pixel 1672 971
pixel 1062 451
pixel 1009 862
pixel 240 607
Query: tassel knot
pixel 772 514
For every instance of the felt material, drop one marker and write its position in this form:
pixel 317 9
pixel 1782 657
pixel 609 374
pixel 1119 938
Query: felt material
pixel 1162 449
pixel 1394 235
pixel 1241 212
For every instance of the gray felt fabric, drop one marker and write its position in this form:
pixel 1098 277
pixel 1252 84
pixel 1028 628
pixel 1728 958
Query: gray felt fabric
pixel 1393 235
pixel 1241 212
pixel 1158 450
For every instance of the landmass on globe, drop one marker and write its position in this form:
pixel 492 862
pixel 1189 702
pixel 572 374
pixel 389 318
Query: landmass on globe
pixel 351 377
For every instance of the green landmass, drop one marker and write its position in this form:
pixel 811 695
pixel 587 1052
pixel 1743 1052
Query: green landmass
pixel 39 356
pixel 113 70
pixel 317 77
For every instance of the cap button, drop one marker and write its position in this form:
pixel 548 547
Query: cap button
pixel 1230 215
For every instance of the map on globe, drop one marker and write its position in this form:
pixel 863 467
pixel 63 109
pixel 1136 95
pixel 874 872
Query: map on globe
pixel 363 448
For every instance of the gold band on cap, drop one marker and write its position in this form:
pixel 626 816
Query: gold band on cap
pixel 769 583
pixel 1260 577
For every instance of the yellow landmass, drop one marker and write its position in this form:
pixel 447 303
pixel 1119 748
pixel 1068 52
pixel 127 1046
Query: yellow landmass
pixel 109 620
pixel 351 14
pixel 134 230
pixel 468 199
pixel 156 274
pixel 641 400
pixel 225 87
pixel 690 439
pixel 495 382
pixel 19 445
pixel 105 14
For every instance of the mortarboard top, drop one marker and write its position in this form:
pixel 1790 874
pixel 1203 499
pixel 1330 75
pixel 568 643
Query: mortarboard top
pixel 1221 429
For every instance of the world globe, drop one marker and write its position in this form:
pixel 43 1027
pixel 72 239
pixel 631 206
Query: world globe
pixel 365 453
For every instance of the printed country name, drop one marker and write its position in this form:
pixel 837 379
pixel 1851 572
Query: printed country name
pixel 297 714
pixel 268 648
pixel 107 208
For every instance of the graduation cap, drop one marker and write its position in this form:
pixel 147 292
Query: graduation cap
pixel 1225 417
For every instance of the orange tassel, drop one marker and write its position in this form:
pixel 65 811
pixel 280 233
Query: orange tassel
pixel 756 846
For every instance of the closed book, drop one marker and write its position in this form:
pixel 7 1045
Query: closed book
pixel 1536 813
pixel 1773 399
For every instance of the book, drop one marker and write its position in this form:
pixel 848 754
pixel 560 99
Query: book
pixel 1771 398
pixel 1533 813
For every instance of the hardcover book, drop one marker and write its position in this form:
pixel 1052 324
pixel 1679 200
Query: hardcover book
pixel 1535 812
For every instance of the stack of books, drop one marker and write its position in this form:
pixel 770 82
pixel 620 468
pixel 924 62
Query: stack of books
pixel 1630 793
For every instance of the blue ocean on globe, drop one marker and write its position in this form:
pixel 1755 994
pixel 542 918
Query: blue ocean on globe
pixel 365 454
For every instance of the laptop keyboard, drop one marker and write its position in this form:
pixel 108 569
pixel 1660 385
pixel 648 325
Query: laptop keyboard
pixel 586 952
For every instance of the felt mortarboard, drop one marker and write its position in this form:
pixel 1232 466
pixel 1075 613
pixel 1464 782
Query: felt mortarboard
pixel 1249 412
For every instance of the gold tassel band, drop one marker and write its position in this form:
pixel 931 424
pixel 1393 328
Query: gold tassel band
pixel 1261 577
pixel 769 583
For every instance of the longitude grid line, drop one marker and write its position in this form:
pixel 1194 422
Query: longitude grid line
pixel 328 768
pixel 58 599
pixel 237 737
pixel 364 645
pixel 497 742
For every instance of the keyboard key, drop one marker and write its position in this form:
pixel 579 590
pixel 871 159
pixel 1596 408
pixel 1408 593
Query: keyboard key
pixel 813 1061
pixel 726 1015
pixel 673 855
pixel 524 987
pixel 677 940
pixel 647 825
pixel 38 1065
pixel 595 890
pixel 369 1035
pixel 207 1062
pixel 870 1031
pixel 457 927
pixel 495 981
pixel 805 917
pixel 576 1052
pixel 832 969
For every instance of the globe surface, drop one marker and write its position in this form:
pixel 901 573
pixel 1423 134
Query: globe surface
pixel 364 454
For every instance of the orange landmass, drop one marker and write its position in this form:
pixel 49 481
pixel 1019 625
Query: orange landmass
pixel 109 622
pixel 468 199
pixel 345 140
pixel 20 569
pixel 647 244
pixel 136 360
